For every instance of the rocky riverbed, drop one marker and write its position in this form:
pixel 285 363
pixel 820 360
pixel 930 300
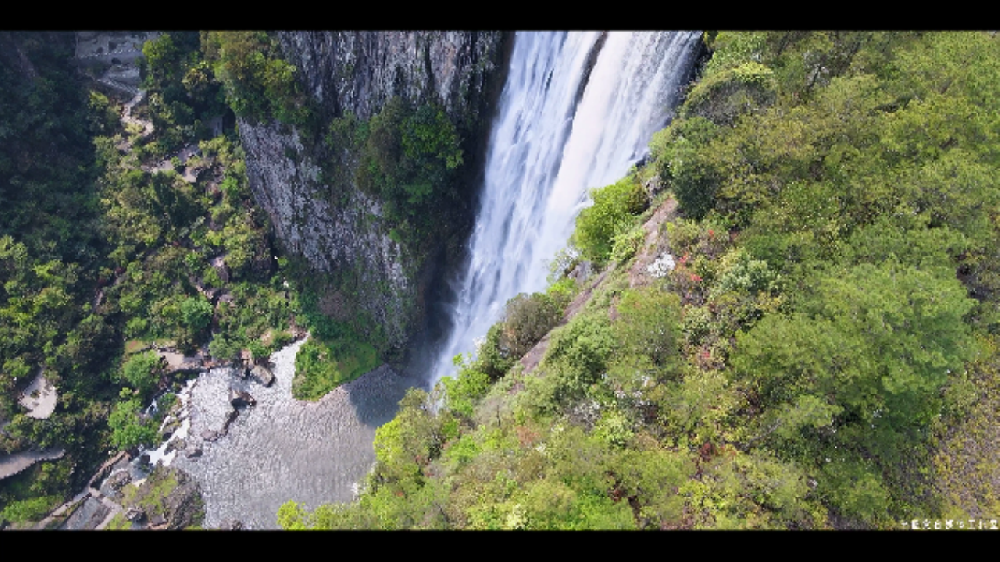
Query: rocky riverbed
pixel 282 449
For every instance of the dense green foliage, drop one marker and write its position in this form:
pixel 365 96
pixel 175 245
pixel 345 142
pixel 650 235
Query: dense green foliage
pixel 142 371
pixel 259 84
pixel 50 247
pixel 409 157
pixel 106 236
pixel 821 353
pixel 610 217
pixel 129 429
pixel 183 94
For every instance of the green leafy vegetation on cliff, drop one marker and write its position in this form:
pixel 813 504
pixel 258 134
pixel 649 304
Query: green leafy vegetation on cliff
pixel 808 341
pixel 259 84
pixel 408 160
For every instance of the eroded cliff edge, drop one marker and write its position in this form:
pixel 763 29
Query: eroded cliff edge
pixel 309 185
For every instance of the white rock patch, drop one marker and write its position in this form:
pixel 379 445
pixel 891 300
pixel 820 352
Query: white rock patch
pixel 662 266
pixel 39 398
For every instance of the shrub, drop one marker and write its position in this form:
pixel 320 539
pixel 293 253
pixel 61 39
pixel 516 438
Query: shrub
pixel 578 353
pixel 32 509
pixel 492 359
pixel 221 347
pixel 526 321
pixel 648 324
pixel 686 165
pixel 196 313
pixel 626 244
pixel 128 430
pixel 741 273
pixel 464 390
pixel 613 212
pixel 142 371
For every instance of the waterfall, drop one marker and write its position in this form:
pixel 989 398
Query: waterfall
pixel 549 145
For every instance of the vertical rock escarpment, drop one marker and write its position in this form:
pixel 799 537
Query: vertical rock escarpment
pixel 319 213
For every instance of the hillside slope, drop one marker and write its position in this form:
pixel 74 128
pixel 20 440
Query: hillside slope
pixel 809 344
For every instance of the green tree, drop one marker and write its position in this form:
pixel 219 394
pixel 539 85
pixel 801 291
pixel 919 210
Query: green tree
pixel 196 313
pixel 142 371
pixel 648 324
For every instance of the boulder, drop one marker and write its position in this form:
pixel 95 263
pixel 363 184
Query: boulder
pixel 241 398
pixel 582 271
pixel 119 479
pixel 229 420
pixel 210 435
pixel 231 525
pixel 219 263
pixel 194 453
pixel 212 295
pixel 263 375
pixel 135 514
pixel 168 498
pixel 155 520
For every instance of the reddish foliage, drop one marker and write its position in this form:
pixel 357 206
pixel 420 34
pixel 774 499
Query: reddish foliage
pixel 706 451
pixel 525 436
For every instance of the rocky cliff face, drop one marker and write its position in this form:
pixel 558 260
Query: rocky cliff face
pixel 338 229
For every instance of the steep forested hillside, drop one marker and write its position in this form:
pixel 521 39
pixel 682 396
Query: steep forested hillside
pixel 126 226
pixel 791 320
pixel 788 318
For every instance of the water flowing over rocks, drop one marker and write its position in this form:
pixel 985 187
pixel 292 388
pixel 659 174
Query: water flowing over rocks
pixel 283 449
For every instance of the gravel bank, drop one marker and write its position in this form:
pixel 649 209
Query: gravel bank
pixel 284 449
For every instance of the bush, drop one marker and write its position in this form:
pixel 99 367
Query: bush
pixel 612 213
pixel 32 509
pixel 221 347
pixel 493 359
pixel 128 430
pixel 578 354
pixel 196 313
pixel 648 324
pixel 142 371
pixel 526 321
pixel 464 390
pixel 685 163
pixel 259 84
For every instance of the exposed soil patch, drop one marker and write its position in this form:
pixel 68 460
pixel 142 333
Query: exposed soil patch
pixel 653 245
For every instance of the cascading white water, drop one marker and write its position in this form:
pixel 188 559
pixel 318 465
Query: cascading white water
pixel 548 147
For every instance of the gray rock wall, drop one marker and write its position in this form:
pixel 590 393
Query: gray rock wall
pixel 338 229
